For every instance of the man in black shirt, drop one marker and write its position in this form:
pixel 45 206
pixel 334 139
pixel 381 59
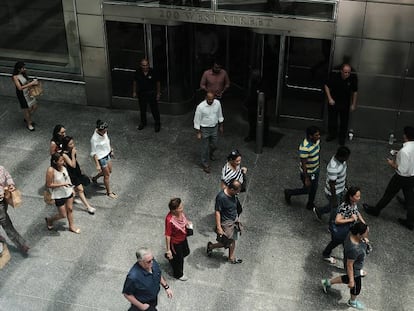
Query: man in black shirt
pixel 148 88
pixel 341 91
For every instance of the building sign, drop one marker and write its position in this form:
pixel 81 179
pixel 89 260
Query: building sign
pixel 216 18
pixel 293 26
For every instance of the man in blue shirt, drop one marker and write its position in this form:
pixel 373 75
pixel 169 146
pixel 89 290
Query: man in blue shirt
pixel 142 283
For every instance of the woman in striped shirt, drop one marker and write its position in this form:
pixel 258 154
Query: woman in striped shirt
pixel 233 170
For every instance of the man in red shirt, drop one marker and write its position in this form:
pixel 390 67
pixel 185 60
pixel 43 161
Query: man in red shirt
pixel 215 80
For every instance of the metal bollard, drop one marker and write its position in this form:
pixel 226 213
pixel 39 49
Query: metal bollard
pixel 259 124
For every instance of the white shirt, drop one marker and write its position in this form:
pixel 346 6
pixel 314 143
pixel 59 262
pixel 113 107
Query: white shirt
pixel 100 145
pixel 208 115
pixel 405 160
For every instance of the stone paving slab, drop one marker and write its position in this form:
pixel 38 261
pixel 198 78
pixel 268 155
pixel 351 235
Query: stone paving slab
pixel 281 245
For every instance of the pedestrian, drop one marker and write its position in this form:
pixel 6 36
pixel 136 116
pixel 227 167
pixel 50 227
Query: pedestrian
pixel 7 183
pixel 102 154
pixel 147 87
pixel 208 120
pixel 69 154
pixel 335 182
pixel 215 80
pixel 227 221
pixel 177 227
pixel 309 151
pixel 60 185
pixel 27 104
pixel 233 170
pixel 347 214
pixel 143 281
pixel 403 179
pixel 59 132
pixel 355 249
pixel 341 91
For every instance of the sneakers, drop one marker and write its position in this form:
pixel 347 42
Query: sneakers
pixel 183 278
pixel 330 259
pixel 91 210
pixel 317 214
pixel 355 304
pixel 287 196
pixel 325 285
pixel 77 201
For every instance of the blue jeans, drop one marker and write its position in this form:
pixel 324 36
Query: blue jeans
pixel 209 138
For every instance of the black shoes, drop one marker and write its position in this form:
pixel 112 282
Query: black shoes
pixel 141 126
pixel 157 127
pixel 287 196
pixel 405 223
pixel 370 210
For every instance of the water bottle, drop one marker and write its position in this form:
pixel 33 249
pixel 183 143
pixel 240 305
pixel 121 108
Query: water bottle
pixel 391 139
pixel 351 134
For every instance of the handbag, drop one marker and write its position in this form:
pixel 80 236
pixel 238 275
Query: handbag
pixel 13 198
pixel 47 197
pixel 340 232
pixel 36 90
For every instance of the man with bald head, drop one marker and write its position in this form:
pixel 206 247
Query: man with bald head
pixel 227 220
pixel 208 120
pixel 147 87
pixel 341 92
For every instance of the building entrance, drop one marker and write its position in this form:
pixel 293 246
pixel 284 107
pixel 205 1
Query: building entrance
pixel 292 69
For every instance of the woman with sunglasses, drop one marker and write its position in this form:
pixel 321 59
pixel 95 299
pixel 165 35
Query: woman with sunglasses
pixel 233 170
pixel 60 185
pixel 101 152
pixel 75 173
pixel 59 132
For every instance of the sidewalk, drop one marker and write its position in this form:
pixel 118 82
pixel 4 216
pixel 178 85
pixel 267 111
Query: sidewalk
pixel 281 246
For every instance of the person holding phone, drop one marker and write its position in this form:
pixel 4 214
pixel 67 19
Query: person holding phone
pixel 27 104
pixel 58 180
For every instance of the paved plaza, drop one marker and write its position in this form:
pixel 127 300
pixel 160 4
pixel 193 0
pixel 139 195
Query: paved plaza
pixel 281 245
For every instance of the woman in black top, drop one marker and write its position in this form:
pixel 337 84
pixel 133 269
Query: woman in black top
pixel 74 170
pixel 27 104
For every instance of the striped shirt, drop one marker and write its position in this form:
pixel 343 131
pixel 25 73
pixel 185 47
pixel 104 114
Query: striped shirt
pixel 335 171
pixel 227 174
pixel 310 151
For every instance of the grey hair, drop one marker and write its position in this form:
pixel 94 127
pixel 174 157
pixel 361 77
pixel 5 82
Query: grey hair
pixel 142 252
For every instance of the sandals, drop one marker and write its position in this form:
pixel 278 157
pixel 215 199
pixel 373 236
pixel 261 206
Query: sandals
pixel 49 227
pixel 235 261
pixel 77 230
pixel 94 180
pixel 112 195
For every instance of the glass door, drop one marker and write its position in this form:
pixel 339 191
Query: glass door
pixel 306 67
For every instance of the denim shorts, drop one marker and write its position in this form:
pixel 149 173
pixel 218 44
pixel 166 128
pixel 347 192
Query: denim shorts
pixel 104 161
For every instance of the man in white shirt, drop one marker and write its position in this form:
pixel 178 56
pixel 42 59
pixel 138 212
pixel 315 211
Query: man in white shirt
pixel 403 179
pixel 208 119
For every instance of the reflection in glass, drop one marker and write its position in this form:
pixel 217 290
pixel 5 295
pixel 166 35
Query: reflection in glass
pixel 322 9
pixel 126 48
pixel 39 33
